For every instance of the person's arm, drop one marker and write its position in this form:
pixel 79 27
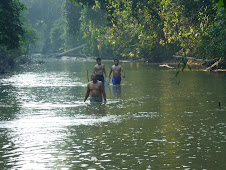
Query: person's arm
pixel 87 93
pixel 103 92
pixel 124 74
pixel 110 73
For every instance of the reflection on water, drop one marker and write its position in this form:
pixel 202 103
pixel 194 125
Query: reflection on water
pixel 116 90
pixel 148 122
pixel 42 80
pixel 96 109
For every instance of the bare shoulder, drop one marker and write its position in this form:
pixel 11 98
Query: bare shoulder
pixel 99 82
pixel 89 84
pixel 120 66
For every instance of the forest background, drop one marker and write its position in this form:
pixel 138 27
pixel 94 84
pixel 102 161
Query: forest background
pixel 148 30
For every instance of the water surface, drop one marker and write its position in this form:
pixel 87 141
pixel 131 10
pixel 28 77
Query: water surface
pixel 149 122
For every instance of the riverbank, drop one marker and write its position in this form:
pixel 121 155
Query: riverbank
pixel 214 65
pixel 171 63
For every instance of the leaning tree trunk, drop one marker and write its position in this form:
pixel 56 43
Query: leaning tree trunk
pixel 214 65
pixel 68 52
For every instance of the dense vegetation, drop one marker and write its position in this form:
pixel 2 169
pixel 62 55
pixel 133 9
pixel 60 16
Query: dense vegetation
pixel 16 35
pixel 150 30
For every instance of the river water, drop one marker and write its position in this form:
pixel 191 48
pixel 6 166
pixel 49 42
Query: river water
pixel 149 122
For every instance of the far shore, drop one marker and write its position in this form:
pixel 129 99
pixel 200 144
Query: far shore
pixel 205 65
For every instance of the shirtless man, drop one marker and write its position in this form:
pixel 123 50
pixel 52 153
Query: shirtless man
pixel 99 69
pixel 96 89
pixel 116 69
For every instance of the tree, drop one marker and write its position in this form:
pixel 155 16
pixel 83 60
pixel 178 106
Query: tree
pixel 185 21
pixel 11 28
pixel 222 3
pixel 72 32
pixel 42 15
pixel 213 43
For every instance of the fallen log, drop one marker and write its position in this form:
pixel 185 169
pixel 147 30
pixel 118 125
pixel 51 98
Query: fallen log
pixel 166 65
pixel 210 68
pixel 219 70
pixel 67 52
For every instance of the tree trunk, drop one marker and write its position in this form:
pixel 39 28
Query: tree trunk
pixel 68 52
pixel 214 65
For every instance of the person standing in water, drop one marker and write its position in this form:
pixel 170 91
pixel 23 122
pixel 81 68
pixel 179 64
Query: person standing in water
pixel 99 70
pixel 116 69
pixel 95 88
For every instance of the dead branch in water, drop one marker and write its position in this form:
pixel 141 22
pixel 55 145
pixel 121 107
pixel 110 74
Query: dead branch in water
pixel 68 52
pixel 214 65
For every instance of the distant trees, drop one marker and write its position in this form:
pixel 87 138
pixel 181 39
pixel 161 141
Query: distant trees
pixel 11 28
pixel 57 23
pixel 71 14
pixel 151 30
pixel 44 16
pixel 154 29
pixel 11 32
pixel 212 44
pixel 185 21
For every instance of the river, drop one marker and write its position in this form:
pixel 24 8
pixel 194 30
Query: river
pixel 149 122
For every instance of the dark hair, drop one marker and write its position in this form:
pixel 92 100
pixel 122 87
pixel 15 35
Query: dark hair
pixel 94 74
pixel 98 59
pixel 116 59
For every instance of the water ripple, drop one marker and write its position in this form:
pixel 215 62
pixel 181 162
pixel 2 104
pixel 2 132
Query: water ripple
pixel 31 79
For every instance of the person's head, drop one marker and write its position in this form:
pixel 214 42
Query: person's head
pixel 98 61
pixel 94 78
pixel 116 61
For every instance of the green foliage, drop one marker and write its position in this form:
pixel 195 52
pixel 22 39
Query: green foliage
pixel 186 21
pixel 11 29
pixel 93 27
pixel 15 35
pixel 183 64
pixel 222 3
pixel 57 23
pixel 56 34
pixel 122 30
pixel 145 29
pixel 42 14
pixel 213 43
pixel 88 3
pixel 29 41
pixel 72 33
pixel 150 30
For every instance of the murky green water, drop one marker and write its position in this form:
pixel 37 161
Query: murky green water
pixel 149 122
